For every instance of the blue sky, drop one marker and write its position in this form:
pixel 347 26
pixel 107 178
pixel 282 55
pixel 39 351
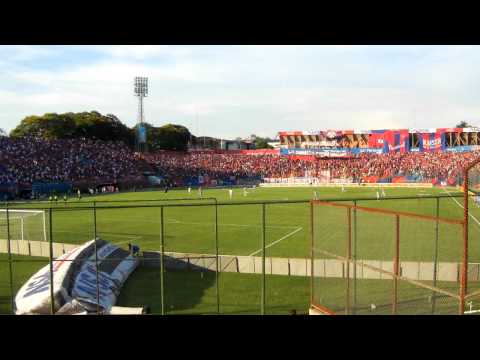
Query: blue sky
pixel 230 91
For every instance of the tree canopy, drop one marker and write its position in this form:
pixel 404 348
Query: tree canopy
pixel 167 137
pixel 74 125
pixel 463 124
pixel 262 143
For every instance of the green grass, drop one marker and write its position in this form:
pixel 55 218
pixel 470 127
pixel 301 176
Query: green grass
pixel 191 229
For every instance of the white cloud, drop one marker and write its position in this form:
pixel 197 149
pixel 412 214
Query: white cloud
pixel 239 90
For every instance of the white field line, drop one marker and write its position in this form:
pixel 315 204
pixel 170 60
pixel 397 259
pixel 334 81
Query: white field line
pixel 473 217
pixel 175 221
pixel 277 241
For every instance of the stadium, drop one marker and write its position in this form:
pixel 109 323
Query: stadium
pixel 305 228
pixel 103 218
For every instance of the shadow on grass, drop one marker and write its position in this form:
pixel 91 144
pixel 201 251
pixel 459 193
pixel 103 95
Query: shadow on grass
pixel 189 289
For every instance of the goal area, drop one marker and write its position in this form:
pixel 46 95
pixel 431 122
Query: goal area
pixel 23 224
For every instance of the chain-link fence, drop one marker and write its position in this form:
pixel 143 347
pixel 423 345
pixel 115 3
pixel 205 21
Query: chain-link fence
pixel 208 257
pixel 195 257
pixel 375 260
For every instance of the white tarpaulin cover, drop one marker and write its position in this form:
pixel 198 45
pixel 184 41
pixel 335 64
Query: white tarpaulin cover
pixel 34 296
pixel 115 266
pixel 74 278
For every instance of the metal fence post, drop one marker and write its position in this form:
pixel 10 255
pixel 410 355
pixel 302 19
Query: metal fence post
pixel 354 256
pixel 96 254
pixel 162 250
pixel 396 264
pixel 312 270
pixel 463 283
pixel 10 264
pixel 435 257
pixel 348 254
pixel 263 261
pixel 52 297
pixel 216 259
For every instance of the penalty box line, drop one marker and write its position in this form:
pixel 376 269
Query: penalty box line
pixel 277 241
pixel 461 206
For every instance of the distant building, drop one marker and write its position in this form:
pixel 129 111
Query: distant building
pixel 209 143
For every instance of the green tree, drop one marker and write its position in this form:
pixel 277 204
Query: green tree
pixel 167 137
pixel 463 124
pixel 261 143
pixel 74 125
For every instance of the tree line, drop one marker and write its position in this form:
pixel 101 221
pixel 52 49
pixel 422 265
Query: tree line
pixel 94 125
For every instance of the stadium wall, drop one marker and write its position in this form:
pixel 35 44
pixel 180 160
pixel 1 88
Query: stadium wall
pixel 447 271
pixel 347 184
pixel 328 268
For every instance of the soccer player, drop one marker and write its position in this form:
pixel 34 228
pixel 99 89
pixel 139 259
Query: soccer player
pixel 55 198
pixel 378 195
pixel 79 194
pixel 65 199
pixel 244 191
pixel 315 196
pixel 383 193
pixel 477 200
pixel 189 189
pixel 200 192
pixel 230 193
pixel 343 188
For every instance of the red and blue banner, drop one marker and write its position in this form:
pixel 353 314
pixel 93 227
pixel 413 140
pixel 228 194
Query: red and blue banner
pixel 396 141
pixel 432 142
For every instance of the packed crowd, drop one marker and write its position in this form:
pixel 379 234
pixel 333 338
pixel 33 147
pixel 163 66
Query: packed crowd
pixel 28 160
pixel 422 166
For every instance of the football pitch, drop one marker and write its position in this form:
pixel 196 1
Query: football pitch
pixel 135 218
pixel 192 228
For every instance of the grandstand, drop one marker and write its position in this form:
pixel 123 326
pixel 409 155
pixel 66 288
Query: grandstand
pixel 344 143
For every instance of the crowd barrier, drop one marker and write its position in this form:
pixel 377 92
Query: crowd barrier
pixel 328 268
pixel 346 184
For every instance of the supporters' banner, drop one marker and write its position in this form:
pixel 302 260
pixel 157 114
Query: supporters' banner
pixel 461 148
pixel 396 141
pixel 432 142
pixel 259 152
pixel 375 140
pixel 317 152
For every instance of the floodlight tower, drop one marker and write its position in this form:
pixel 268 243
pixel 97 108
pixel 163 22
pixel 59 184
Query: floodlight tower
pixel 141 91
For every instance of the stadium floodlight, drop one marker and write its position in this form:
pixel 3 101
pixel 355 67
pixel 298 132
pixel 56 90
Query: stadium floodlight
pixel 141 91
pixel 141 86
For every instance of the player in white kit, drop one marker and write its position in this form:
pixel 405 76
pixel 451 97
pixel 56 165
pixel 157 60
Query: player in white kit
pixel 230 193
pixel 378 195
pixel 189 190
pixel 244 191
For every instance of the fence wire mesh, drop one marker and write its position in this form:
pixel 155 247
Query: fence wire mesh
pixel 379 261
pixel 204 257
